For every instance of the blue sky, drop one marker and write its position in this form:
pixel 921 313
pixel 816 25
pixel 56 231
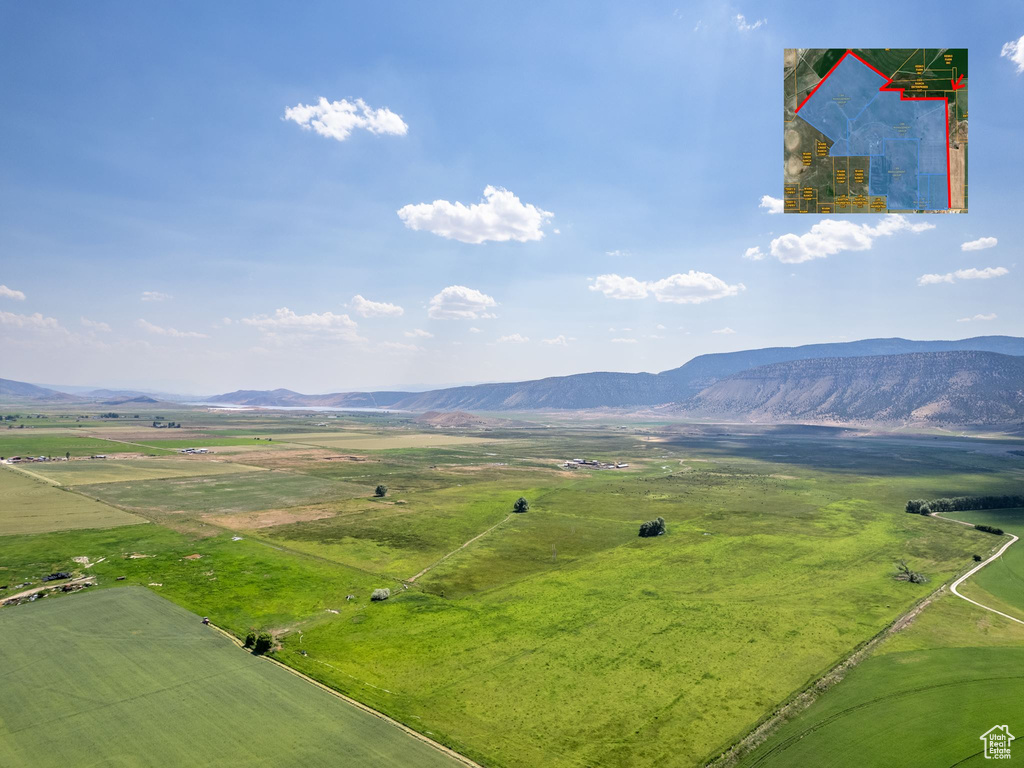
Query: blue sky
pixel 163 225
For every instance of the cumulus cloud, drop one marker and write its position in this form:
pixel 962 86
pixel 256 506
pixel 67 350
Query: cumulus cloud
pixel 171 332
pixel 963 274
pixel 96 325
pixel 980 244
pixel 501 216
pixel 831 236
pixel 727 330
pixel 475 330
pixel 754 253
pixel 682 288
pixel 561 340
pixel 418 333
pixel 513 338
pixel 285 320
pixel 623 341
pixel 10 293
pixel 35 321
pixel 367 308
pixel 989 316
pixel 1014 51
pixel 744 26
pixel 337 119
pixel 457 302
pixel 154 296
pixel 771 204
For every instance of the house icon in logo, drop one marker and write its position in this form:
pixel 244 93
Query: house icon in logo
pixel 997 742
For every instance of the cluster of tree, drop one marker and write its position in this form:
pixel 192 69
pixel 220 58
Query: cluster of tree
pixel 380 491
pixel 903 573
pixel 260 642
pixel 521 505
pixel 380 594
pixel 110 415
pixel 989 529
pixel 654 527
pixel 963 503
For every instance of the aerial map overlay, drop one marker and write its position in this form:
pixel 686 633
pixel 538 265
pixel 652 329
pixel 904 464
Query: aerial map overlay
pixel 875 130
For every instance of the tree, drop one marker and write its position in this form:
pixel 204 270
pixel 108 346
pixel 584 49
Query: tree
pixel 905 574
pixel 521 505
pixel 977 558
pixel 654 527
pixel 989 529
pixel 250 639
pixel 67 454
pixel 264 642
pixel 380 594
pixel 380 491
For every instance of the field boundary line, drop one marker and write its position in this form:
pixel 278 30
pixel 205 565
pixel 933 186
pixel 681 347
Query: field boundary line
pixel 359 705
pixel 459 549
pixel 978 567
pixel 36 475
pixel 810 693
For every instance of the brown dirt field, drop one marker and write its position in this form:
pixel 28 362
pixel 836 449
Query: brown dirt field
pixel 268 518
pixel 957 158
pixel 288 459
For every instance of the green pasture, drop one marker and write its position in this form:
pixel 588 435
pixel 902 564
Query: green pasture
pixel 124 677
pixel 368 441
pixel 27 443
pixel 31 505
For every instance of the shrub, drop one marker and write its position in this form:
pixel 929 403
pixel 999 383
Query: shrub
pixel 521 505
pixel 380 594
pixel 264 642
pixel 380 491
pixel 989 529
pixel 654 527
pixel 977 558
pixel 903 573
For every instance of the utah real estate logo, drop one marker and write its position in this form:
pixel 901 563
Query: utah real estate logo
pixel 997 742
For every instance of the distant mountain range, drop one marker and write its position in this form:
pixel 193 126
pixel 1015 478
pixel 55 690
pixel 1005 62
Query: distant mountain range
pixel 976 380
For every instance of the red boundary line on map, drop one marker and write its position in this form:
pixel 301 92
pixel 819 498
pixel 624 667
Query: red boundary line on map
pixel 903 97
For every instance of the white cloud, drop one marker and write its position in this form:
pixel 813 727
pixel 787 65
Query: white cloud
pixel 990 316
pixel 513 338
pixel 623 341
pixel 285 320
pixel 367 308
pixel 155 296
pixel 771 204
pixel 10 293
pixel 1014 51
pixel 337 119
pixel 727 330
pixel 831 236
pixel 96 325
pixel 980 244
pixel 963 274
pixel 743 26
pixel 559 341
pixel 502 216
pixel 34 321
pixel 754 253
pixel 172 332
pixel 618 254
pixel 690 288
pixel 475 330
pixel 457 302
pixel 398 346
pixel 660 327
pixel 418 333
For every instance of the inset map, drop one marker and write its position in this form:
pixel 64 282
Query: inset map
pixel 875 130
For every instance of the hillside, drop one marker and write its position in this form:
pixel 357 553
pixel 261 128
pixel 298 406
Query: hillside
pixel 934 387
pixel 21 391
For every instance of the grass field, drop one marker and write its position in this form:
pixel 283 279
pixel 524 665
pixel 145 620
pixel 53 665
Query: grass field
pixel 28 505
pixel 366 441
pixel 116 471
pixel 32 443
pixel 127 678
pixel 1000 584
pixel 556 637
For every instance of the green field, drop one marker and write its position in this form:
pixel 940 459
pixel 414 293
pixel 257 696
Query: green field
pixel 31 443
pixel 1000 584
pixel 124 677
pixel 364 441
pixel 87 472
pixel 30 505
pixel 558 637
